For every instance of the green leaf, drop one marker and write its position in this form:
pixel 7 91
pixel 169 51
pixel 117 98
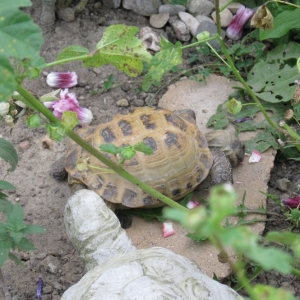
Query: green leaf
pixel 72 52
pixel 16 236
pixel 127 152
pixel 2 228
pixel 283 23
pixel 4 250
pixel 31 229
pixel 273 79
pixel 15 217
pixel 7 79
pixel 15 258
pixel 8 153
pixel 8 4
pixel 56 133
pixel 4 185
pixel 69 120
pixel 25 245
pixel 5 206
pixel 110 148
pixel 169 56
pixel 142 147
pixel 34 121
pixel 147 214
pixel 267 292
pixel 121 48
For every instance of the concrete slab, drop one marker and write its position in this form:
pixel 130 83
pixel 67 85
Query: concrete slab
pixel 204 98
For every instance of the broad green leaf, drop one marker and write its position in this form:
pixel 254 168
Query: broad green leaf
pixel 15 258
pixel 4 185
pixel 273 79
pixel 15 217
pixel 19 36
pixel 4 250
pixel 7 79
pixel 72 52
pixel 10 5
pixel 169 56
pixel 283 23
pixel 267 292
pixel 121 48
pixel 16 236
pixel 5 206
pixel 8 153
pixel 25 245
pixel 31 229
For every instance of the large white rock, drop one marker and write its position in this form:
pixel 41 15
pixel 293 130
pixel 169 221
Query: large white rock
pixel 118 271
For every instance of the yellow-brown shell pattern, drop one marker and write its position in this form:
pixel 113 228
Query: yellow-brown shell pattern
pixel 180 161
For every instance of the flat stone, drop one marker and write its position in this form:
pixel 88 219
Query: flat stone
pixel 172 10
pixel 159 20
pixel 203 7
pixel 203 98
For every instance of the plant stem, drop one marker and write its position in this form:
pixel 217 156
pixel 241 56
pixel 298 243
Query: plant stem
pixel 81 142
pixel 295 272
pixel 4 287
pixel 66 60
pixel 236 72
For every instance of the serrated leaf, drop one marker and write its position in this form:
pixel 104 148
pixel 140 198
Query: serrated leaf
pixel 15 258
pixel 283 23
pixel 16 236
pixel 120 48
pixel 169 56
pixel 110 148
pixel 142 147
pixel 267 292
pixel 127 153
pixel 15 217
pixel 25 245
pixel 8 153
pixel 4 185
pixel 72 52
pixel 32 229
pixel 4 250
pixel 7 79
pixel 273 79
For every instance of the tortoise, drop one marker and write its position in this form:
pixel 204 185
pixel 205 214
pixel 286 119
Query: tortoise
pixel 180 162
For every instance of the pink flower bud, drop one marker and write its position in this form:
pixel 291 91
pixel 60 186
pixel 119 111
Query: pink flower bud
pixel 62 80
pixel 167 229
pixel 292 202
pixel 68 102
pixel 235 29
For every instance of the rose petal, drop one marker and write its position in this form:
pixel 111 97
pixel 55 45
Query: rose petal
pixel 255 157
pixel 167 229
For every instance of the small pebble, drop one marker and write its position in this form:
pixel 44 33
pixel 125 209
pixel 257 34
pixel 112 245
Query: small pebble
pixel 283 184
pixel 122 102
pixel 24 145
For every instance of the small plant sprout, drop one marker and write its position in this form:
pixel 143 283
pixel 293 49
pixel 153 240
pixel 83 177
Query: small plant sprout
pixel 62 80
pixel 126 152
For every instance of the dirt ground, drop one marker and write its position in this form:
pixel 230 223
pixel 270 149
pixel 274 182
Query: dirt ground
pixel 43 198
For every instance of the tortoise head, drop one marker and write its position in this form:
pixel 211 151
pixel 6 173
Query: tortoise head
pixel 229 143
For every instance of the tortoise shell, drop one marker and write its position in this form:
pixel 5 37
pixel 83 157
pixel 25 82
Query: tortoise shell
pixel 181 159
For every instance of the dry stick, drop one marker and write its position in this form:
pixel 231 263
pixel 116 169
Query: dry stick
pixel 29 98
pixel 4 287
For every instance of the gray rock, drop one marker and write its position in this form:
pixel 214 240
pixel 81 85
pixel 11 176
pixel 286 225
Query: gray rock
pixel 191 22
pixel 172 10
pixel 225 17
pixel 112 3
pixel 159 20
pixel 141 7
pixel 180 28
pixel 203 7
pixel 212 29
pixel 283 184
pixel 66 14
pixel 154 273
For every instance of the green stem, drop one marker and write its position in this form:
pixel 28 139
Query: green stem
pixel 295 272
pixel 199 42
pixel 81 142
pixel 236 72
pixel 66 60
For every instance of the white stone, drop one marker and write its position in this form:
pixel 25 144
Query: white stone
pixel 225 17
pixel 191 22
